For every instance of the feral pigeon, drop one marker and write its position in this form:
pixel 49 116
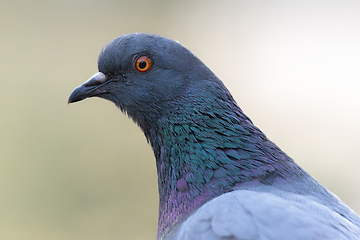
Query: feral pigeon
pixel 219 176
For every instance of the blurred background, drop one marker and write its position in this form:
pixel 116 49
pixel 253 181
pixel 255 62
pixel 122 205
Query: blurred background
pixel 85 171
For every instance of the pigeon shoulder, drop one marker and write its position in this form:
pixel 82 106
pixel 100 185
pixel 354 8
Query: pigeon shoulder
pixel 252 215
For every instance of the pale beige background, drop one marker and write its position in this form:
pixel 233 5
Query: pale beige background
pixel 85 171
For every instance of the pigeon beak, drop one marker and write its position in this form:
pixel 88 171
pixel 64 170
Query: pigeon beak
pixel 89 88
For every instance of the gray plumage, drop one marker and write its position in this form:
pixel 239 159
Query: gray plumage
pixel 219 176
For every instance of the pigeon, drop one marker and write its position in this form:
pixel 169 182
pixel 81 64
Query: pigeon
pixel 219 176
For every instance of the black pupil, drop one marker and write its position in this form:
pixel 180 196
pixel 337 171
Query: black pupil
pixel 142 64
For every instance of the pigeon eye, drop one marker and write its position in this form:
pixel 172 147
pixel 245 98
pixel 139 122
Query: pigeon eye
pixel 143 64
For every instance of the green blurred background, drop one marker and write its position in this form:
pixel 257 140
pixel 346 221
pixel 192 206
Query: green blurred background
pixel 85 171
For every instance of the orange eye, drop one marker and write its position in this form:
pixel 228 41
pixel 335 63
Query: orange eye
pixel 143 64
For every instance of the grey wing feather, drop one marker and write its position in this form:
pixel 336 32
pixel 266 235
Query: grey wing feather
pixel 251 215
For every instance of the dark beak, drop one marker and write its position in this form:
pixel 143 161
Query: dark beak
pixel 90 88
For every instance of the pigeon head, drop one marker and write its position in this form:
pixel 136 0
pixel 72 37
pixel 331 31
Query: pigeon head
pixel 146 76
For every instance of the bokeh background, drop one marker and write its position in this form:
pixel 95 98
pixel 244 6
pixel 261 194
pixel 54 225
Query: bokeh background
pixel 85 171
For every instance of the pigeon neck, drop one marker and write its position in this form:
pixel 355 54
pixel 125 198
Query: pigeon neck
pixel 201 153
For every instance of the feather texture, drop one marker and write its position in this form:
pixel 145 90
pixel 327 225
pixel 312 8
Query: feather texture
pixel 219 176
